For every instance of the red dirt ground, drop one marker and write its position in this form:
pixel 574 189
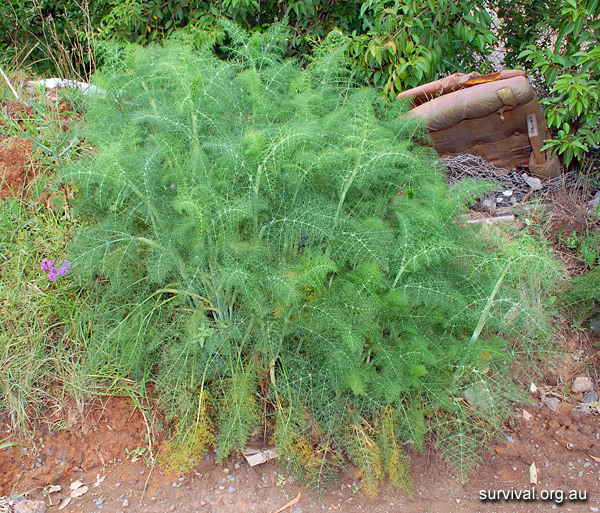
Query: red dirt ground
pixel 16 169
pixel 565 447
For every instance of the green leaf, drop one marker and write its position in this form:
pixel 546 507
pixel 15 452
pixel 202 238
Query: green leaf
pixel 419 371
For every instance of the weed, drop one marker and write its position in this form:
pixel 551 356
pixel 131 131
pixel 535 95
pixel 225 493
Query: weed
pixel 248 244
pixel 137 453
pixel 5 444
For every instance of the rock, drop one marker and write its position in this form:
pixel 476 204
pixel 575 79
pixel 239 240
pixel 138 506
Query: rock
pixel 478 395
pixel 203 503
pixel 172 508
pixel 582 384
pixel 552 403
pixel 553 424
pixel 574 440
pixel 534 183
pixel 564 408
pixel 564 420
pixel 231 489
pixel 590 397
pixel 126 503
pixel 225 471
pixel 27 506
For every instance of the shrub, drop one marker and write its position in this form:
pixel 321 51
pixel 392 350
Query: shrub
pixel 561 46
pixel 268 244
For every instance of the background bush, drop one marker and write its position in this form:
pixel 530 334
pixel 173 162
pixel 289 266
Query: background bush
pixel 392 45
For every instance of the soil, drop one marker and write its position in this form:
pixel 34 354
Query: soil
pixel 99 448
pixel 16 165
pixel 18 162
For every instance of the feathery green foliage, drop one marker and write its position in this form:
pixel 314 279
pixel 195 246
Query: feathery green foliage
pixel 274 237
pixel 580 298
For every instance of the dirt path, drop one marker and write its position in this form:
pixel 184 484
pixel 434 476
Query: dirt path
pixel 98 451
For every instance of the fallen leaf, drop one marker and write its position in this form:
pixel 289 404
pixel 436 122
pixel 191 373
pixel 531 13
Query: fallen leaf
pixel 289 504
pixel 527 415
pixel 79 492
pixel 64 503
pixel 533 389
pixel 54 488
pixel 255 456
pixel 99 480
pixel 533 474
pixel 76 484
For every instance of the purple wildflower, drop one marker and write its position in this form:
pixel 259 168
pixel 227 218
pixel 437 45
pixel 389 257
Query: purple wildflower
pixel 48 265
pixel 62 270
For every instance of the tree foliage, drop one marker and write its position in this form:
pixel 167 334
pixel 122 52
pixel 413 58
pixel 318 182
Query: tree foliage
pixel 391 45
pixel 561 46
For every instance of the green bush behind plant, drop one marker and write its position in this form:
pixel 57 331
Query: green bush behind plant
pixel 393 45
pixel 269 244
pixel 561 46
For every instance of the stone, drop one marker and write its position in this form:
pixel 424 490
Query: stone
pixel 126 503
pixel 552 403
pixel 534 183
pixel 554 424
pixel 564 408
pixel 297 510
pixel 590 397
pixel 582 384
pixel 231 489
pixel 27 506
pixel 478 395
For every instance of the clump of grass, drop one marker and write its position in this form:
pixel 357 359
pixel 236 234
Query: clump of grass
pixel 45 312
pixel 41 333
